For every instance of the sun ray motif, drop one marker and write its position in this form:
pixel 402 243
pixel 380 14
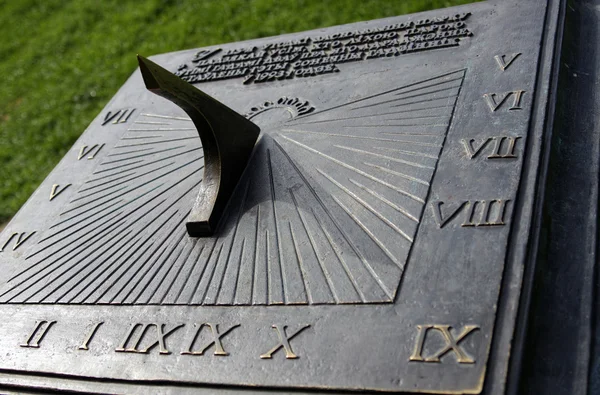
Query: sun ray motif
pixel 326 212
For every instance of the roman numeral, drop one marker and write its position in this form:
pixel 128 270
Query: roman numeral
pixel 504 61
pixel 451 343
pixel 57 190
pixel 476 212
pixel 161 336
pixel 503 147
pixel 119 116
pixel 90 336
pixel 496 100
pixel 21 238
pixel 441 218
pixel 93 150
pixel 38 334
pixel 485 215
pixel 214 328
pixel 284 342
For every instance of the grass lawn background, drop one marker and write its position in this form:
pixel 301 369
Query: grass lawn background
pixel 61 61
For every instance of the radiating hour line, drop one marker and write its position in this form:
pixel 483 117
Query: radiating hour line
pixel 367 206
pixel 99 191
pixel 163 191
pixel 156 217
pixel 253 271
pixel 142 137
pixel 334 247
pixel 30 278
pixel 109 200
pixel 375 115
pixel 128 202
pixel 165 117
pixel 73 232
pixel 132 242
pixel 350 136
pixel 139 207
pixel 405 152
pixel 277 231
pixel 390 125
pixel 203 268
pixel 201 299
pixel 132 263
pixel 157 142
pixel 64 238
pixel 192 265
pixel 142 155
pixel 104 183
pixel 121 166
pixel 130 152
pixel 157 268
pixel 396 126
pixel 339 228
pixel 426 93
pixel 378 94
pixel 385 157
pixel 80 220
pixel 386 201
pixel 301 268
pixel 160 130
pixel 192 246
pixel 369 233
pixel 237 225
pixel 239 269
pixel 152 123
pixel 162 159
pixel 358 171
pixel 311 239
pixel 219 282
pixel 432 85
pixel 47 274
pixel 397 173
pixel 405 104
pixel 106 244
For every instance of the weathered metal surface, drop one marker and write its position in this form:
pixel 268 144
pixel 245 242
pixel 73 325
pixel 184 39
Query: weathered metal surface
pixel 377 239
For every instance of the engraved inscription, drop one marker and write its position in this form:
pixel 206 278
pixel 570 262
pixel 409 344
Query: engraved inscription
pixel 38 334
pixel 133 343
pixel 90 152
pixel 119 116
pixel 90 336
pixel 312 56
pixel 476 212
pixel 57 190
pixel 284 342
pixel 504 61
pixel 216 341
pixel 496 100
pixel 20 239
pixel 502 147
pixel 451 344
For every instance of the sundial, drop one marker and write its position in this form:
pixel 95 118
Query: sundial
pixel 341 209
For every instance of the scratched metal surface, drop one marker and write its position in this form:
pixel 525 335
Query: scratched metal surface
pixel 364 247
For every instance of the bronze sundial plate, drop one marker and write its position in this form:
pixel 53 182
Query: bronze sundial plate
pixel 377 239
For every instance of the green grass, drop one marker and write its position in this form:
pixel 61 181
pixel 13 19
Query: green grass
pixel 61 61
